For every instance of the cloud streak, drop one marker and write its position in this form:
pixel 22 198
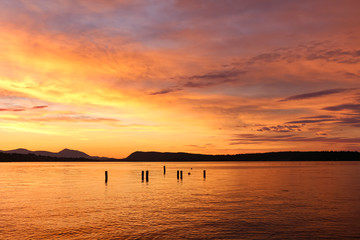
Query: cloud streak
pixel 315 94
pixel 21 109
pixel 280 128
pixel 165 91
pixel 341 107
pixel 12 109
pixel 251 138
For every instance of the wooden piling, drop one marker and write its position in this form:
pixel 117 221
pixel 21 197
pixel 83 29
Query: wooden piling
pixel 142 175
pixel 147 175
pixel 181 174
pixel 106 176
pixel 164 170
pixel 177 174
pixel 204 173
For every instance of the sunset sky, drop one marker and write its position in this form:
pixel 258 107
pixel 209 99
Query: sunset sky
pixel 109 77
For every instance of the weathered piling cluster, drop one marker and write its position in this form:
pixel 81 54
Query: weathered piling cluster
pixel 179 174
pixel 145 175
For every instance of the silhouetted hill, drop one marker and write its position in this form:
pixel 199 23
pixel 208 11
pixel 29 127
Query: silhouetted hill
pixel 18 151
pixel 16 157
pixel 272 156
pixel 65 153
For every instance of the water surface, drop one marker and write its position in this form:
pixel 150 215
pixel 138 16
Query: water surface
pixel 237 200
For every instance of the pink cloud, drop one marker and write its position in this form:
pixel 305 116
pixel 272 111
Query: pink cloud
pixel 12 109
pixel 40 107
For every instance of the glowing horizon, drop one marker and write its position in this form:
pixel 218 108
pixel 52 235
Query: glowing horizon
pixel 216 77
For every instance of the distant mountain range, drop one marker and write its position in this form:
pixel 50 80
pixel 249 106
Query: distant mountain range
pixel 67 155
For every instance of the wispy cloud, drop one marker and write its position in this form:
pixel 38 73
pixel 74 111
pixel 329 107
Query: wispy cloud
pixel 315 94
pixel 341 107
pixel 280 128
pixel 21 109
pixel 39 107
pixel 252 138
pixel 337 55
pixel 311 121
pixel 165 91
pixel 209 79
pixel 74 118
pixel 12 109
pixel 319 117
pixel 213 78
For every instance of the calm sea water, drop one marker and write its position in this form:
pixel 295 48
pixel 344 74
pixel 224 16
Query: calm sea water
pixel 237 200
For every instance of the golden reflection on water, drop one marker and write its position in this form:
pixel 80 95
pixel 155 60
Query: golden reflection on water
pixel 237 200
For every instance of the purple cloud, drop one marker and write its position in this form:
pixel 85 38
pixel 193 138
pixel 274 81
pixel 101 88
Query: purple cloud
pixel 316 94
pixel 350 106
pixel 252 138
pixel 165 91
pixel 311 121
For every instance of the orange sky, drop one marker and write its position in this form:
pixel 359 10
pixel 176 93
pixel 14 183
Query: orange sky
pixel 217 77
